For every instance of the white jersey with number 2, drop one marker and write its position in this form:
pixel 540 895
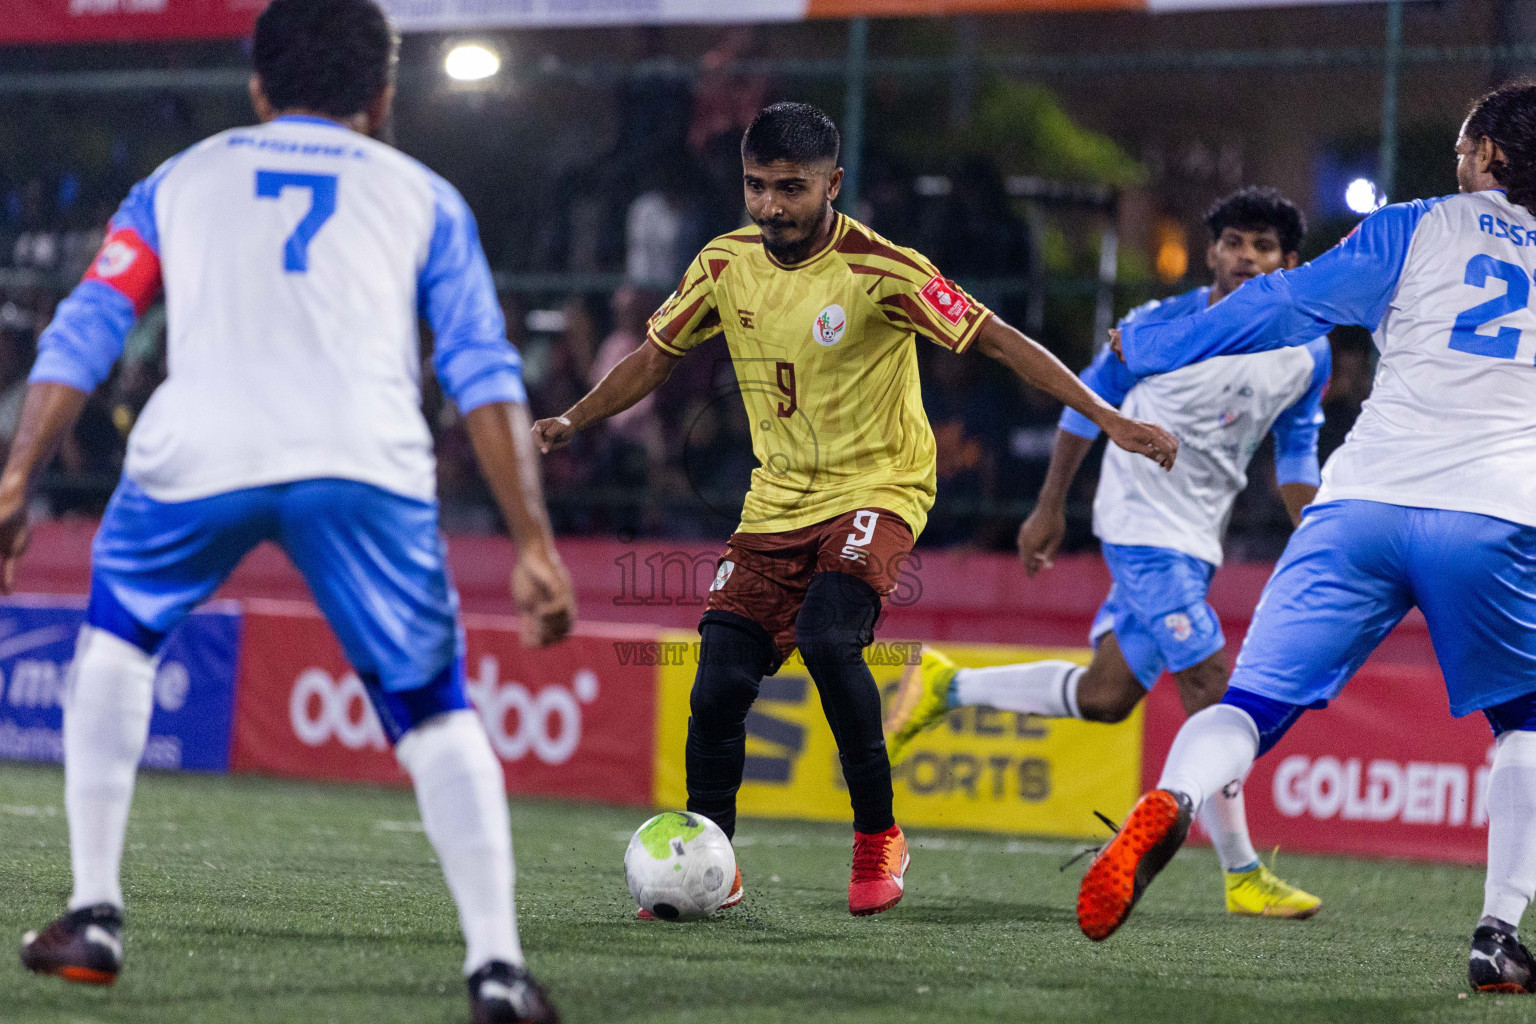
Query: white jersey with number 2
pixel 1446 287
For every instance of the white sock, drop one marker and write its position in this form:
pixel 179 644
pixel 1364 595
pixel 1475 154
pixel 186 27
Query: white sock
pixel 1511 828
pixel 1214 747
pixel 107 704
pixel 1044 688
pixel 462 796
pixel 1226 822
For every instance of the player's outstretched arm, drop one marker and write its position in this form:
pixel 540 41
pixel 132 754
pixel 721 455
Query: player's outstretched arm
pixel 1032 362
pixel 48 413
pixel 541 587
pixel 637 375
pixel 1352 283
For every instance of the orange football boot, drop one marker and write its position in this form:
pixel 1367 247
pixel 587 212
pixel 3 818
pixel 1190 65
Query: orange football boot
pixel 1126 866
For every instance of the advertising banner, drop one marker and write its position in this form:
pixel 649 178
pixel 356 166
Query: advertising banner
pixel 82 21
pixel 1382 771
pixel 437 15
pixel 570 721
pixel 194 684
pixel 981 769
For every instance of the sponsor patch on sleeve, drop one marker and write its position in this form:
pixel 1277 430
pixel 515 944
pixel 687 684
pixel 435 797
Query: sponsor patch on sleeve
pixel 945 300
pixel 128 265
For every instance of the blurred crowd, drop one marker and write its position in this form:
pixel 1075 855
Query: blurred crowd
pixel 627 220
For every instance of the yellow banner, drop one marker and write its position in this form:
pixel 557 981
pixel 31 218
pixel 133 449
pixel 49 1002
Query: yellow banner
pixel 986 770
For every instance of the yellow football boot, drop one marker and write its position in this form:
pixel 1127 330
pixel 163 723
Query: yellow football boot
pixel 1262 893
pixel 921 702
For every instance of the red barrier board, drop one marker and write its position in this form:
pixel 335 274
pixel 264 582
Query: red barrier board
pixel 1383 771
pixel 572 721
pixel 81 21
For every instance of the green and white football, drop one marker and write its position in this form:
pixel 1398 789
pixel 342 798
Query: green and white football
pixel 679 866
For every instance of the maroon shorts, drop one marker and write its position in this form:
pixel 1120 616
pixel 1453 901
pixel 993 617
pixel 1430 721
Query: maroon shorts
pixel 763 576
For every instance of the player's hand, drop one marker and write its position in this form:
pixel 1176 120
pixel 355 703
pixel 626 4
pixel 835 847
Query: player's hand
pixel 553 433
pixel 1039 537
pixel 542 591
pixel 1147 439
pixel 1114 343
pixel 14 534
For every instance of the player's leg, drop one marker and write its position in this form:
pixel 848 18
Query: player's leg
pixel 835 625
pixel 1162 619
pixel 152 563
pixel 745 633
pixel 1133 644
pixel 858 560
pixel 735 654
pixel 1475 577
pixel 1499 962
pixel 377 567
pixel 1104 690
pixel 1338 589
pixel 1252 888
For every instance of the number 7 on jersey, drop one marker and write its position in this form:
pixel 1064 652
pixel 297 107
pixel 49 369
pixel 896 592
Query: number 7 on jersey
pixel 322 203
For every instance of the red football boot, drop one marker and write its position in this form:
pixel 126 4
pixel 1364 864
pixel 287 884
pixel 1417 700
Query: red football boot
pixel 732 898
pixel 879 862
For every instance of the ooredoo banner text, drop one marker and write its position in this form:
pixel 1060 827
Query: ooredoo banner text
pixel 569 721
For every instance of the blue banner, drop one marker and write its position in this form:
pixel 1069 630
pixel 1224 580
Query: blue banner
pixel 194 684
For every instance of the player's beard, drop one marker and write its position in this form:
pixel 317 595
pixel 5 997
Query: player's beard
pixel 797 249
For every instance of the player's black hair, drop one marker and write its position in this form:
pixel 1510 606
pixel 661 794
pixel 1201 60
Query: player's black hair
pixel 1255 208
pixel 330 56
pixel 796 132
pixel 1507 118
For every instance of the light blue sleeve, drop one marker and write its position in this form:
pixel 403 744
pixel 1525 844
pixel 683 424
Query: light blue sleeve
pixel 1106 377
pixel 472 358
pixel 84 339
pixel 1352 283
pixel 81 344
pixel 1296 429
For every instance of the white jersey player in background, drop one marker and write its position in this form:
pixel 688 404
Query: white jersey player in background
pixel 295 258
pixel 1431 502
pixel 1161 533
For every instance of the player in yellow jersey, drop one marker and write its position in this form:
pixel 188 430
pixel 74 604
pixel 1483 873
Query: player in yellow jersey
pixel 820 315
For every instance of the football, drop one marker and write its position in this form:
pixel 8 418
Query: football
pixel 679 866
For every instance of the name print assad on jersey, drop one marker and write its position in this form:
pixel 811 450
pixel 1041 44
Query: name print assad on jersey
pixel 295 258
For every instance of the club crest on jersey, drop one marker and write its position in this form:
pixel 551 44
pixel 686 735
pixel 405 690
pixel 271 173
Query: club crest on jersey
pixel 115 257
pixel 945 301
pixel 1179 625
pixel 1229 417
pixel 723 575
pixel 831 323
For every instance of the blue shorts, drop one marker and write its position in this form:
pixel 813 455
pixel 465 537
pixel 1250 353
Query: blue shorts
pixel 1351 572
pixel 1157 610
pixel 374 560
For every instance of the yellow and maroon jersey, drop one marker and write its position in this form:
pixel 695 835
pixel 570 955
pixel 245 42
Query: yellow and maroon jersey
pixel 825 360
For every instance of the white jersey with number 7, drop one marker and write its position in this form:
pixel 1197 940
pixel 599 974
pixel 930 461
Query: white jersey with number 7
pixel 296 260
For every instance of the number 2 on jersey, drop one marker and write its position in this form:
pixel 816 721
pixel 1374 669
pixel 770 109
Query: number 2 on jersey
pixel 1517 292
pixel 322 192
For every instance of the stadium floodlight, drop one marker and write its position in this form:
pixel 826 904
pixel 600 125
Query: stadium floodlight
pixel 471 62
pixel 1362 196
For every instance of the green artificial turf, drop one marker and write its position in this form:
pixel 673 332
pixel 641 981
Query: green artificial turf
pixel 255 900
